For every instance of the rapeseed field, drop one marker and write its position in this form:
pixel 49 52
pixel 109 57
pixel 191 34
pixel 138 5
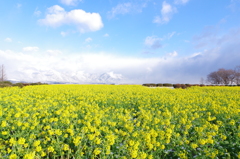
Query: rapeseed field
pixel 119 121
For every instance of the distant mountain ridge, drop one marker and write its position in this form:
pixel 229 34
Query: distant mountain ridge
pixel 53 76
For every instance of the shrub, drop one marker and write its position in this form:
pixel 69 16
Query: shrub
pixel 188 85
pixel 183 86
pixel 152 85
pixel 6 82
pixel 38 83
pixel 159 85
pixel 195 85
pixel 5 85
pixel 20 85
pixel 177 86
pixel 167 85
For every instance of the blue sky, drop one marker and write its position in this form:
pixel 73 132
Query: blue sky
pixel 143 40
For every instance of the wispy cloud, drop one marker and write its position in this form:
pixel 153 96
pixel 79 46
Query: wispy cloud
pixel 172 54
pixel 18 5
pixel 170 35
pixel 88 40
pixel 125 8
pixel 166 13
pixel 181 1
pixel 211 37
pixel 8 40
pixel 37 12
pixel 234 5
pixel 63 33
pixel 106 35
pixel 83 21
pixel 153 42
pixel 70 2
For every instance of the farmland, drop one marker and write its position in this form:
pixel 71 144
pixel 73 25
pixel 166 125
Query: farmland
pixel 119 121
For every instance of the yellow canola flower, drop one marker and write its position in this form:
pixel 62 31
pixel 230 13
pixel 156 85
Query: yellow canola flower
pixel 38 148
pixel 97 151
pixel 97 141
pixel 131 119
pixel 65 147
pixel 29 155
pixel 134 153
pixel 36 143
pixel 50 149
pixel 77 140
pixel 4 132
pixel 21 141
pixel 13 156
pixel 194 146
pixel 4 124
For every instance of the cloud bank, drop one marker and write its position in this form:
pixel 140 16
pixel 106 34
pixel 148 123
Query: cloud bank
pixel 171 68
pixel 85 22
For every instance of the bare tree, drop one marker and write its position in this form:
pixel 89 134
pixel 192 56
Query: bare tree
pixel 223 76
pixel 237 75
pixel 202 80
pixel 214 78
pixel 227 76
pixel 3 75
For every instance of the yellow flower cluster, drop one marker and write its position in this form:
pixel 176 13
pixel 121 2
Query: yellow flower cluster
pixel 119 121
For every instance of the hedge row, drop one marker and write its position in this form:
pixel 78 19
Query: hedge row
pixel 9 84
pixel 158 85
pixel 183 86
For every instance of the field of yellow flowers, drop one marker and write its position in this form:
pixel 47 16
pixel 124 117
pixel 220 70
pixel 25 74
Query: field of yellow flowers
pixel 119 121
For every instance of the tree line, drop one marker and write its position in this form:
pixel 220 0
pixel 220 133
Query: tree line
pixel 225 76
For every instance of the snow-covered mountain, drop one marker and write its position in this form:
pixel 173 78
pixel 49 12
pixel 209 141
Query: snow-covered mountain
pixel 53 76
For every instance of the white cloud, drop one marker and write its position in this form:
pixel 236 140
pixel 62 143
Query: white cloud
pixel 166 13
pixel 153 42
pixel 8 40
pixel 30 49
pixel 125 8
pixel 88 39
pixel 70 2
pixel 83 21
pixel 181 1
